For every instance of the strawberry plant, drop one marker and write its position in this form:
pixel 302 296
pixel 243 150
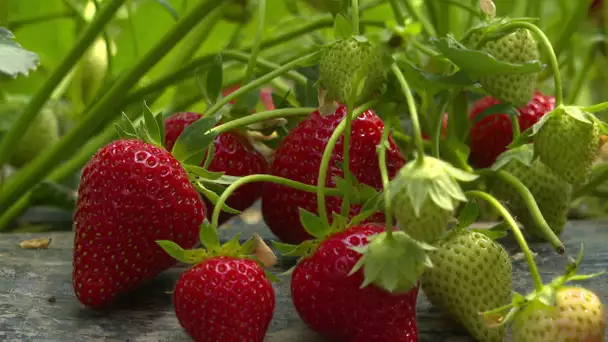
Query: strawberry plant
pixel 373 134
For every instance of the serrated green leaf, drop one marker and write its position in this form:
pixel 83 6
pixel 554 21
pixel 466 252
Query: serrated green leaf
pixel 492 234
pixel 195 138
pixel 213 197
pixel 209 237
pixel 283 247
pixel 523 154
pixel 203 173
pixel 421 80
pixel 342 28
pixel 124 134
pixel 312 224
pixel 150 125
pixel 232 247
pixel 128 125
pixel 193 256
pixel 577 113
pixel 468 214
pixel 214 79
pixel 14 59
pixel 501 108
pixel 476 63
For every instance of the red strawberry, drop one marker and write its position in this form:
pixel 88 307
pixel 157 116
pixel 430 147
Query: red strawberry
pixel 131 194
pixel 233 155
pixel 298 158
pixel 491 136
pixel 224 299
pixel 332 303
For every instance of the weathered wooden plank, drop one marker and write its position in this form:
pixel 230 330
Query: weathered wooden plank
pixel 37 301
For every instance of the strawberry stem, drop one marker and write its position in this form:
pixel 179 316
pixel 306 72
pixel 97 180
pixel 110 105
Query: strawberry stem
pixel 546 43
pixel 519 237
pixel 385 180
pixel 413 113
pixel 255 49
pixel 16 131
pixel 329 148
pixel 427 27
pixel 261 116
pixel 355 16
pixel 103 109
pixel 260 81
pixel 346 154
pixel 537 216
pixel 515 127
pixel 263 178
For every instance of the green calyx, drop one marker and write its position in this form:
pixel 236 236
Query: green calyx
pixel 393 262
pixel 353 68
pixel 430 178
pixel 195 146
pixel 545 298
pixel 212 248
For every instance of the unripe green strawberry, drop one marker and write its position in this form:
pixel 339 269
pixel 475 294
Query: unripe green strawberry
pixel 471 273
pixel 343 60
pixel 517 47
pixel 41 134
pixel 552 195
pixel 578 316
pixel 429 226
pixel 568 145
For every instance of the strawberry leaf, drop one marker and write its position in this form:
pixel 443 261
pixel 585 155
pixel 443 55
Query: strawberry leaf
pixel 313 224
pixel 497 109
pixel 600 107
pixel 468 214
pixel 212 196
pixel 214 78
pixel 523 154
pixel 232 247
pixel 393 262
pixel 167 6
pixel 150 126
pixel 203 173
pixel 497 232
pixel 433 83
pixel 14 59
pixel 160 122
pixel 248 247
pixel 477 63
pixel 306 248
pixel 342 28
pixel 195 139
pixel 193 256
pixel 209 237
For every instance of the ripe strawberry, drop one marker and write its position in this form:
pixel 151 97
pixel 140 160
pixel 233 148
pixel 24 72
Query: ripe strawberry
pixel 470 274
pixel 342 60
pixel 233 155
pixel 224 299
pixel 298 158
pixel 578 316
pixel 517 47
pixel 490 137
pixel 131 193
pixel 568 145
pixel 332 302
pixel 552 196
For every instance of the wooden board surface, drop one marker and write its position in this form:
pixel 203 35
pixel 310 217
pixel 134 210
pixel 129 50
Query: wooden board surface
pixel 37 301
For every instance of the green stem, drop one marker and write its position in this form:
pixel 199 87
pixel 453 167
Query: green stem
pixel 327 153
pixel 255 49
pixel 559 95
pixel 515 127
pixel 17 130
pixel 258 82
pixel 426 24
pixel 103 109
pixel 532 206
pixel 399 16
pixel 348 121
pixel 14 25
pixel 262 178
pixel 355 16
pixel 439 127
pixel 385 180
pixel 413 113
pixel 188 71
pixel 599 178
pixel 261 116
pixel 519 237
pixel 108 41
